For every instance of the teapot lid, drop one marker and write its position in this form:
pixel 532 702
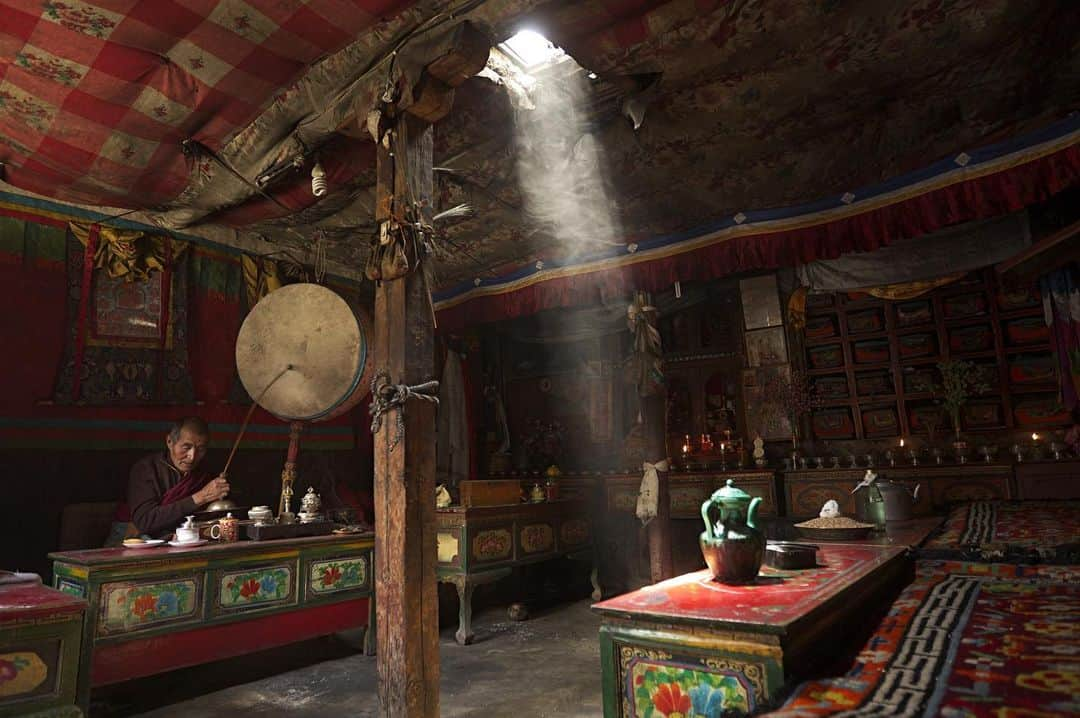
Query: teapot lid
pixel 732 493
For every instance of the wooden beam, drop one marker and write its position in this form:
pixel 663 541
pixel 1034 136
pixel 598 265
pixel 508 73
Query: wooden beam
pixel 433 92
pixel 1044 256
pixel 468 55
pixel 406 597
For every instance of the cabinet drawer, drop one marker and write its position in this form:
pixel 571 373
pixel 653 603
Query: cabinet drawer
pixel 805 498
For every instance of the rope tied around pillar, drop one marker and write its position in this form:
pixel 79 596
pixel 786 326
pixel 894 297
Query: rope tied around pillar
pixel 386 396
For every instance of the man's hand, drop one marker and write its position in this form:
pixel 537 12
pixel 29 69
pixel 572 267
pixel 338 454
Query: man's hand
pixel 216 489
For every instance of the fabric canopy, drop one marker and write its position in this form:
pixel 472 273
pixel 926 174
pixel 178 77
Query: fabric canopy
pixel 957 249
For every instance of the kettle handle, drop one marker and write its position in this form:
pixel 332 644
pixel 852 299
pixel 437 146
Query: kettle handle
pixel 751 513
pixel 705 517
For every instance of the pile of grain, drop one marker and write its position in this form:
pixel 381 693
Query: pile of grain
pixel 837 522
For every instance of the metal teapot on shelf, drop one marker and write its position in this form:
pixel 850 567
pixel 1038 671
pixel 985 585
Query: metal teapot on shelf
pixel 879 500
pixel 732 546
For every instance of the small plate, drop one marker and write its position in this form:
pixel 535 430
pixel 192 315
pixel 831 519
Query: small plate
pixel 185 544
pixel 148 543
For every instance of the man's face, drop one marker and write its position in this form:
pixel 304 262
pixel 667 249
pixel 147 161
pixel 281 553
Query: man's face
pixel 188 449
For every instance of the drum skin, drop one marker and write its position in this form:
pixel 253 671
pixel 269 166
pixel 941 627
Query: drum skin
pixel 327 344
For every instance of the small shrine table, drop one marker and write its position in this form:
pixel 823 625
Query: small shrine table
pixel 40 630
pixel 156 609
pixel 690 640
pixel 481 544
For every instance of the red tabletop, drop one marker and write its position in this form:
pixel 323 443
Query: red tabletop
pixel 20 601
pixel 776 600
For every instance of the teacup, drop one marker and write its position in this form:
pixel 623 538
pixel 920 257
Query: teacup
pixel 187 535
pixel 226 529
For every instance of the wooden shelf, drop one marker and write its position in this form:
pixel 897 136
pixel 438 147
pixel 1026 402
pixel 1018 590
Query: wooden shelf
pixel 1040 348
pixel 984 287
pixel 985 354
pixel 930 328
pixel 968 321
pixel 1036 311
pixel 1047 388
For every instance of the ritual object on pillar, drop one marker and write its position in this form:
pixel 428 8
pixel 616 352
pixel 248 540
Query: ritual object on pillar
pixel 324 343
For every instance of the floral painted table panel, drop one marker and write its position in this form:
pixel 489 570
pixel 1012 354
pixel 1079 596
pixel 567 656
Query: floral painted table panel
pixel 692 646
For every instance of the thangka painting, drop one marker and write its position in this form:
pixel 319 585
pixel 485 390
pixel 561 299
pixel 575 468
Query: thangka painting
pixel 115 352
pixel 128 314
pixel 601 402
pixel 764 415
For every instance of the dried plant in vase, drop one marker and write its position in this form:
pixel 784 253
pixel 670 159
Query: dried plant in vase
pixel 793 394
pixel 544 443
pixel 959 380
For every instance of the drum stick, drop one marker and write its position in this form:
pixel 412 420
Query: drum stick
pixel 247 418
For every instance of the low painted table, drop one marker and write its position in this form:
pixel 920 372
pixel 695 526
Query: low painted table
pixel 481 544
pixel 156 609
pixel 691 642
pixel 40 631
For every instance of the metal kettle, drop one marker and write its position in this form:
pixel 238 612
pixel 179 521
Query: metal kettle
pixel 880 500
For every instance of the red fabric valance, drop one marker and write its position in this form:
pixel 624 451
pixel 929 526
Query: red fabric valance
pixel 982 197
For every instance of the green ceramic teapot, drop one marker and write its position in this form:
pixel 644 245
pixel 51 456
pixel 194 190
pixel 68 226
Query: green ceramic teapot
pixel 733 546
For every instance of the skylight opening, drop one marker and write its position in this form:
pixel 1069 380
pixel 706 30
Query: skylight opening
pixel 530 49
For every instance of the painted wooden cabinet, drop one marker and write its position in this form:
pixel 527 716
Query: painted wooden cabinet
pixel 40 632
pixel 688 490
pixel 482 544
pixel 155 609
pixel 1048 479
pixel 940 485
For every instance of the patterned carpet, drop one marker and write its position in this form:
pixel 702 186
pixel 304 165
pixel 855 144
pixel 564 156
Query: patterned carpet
pixel 1009 531
pixel 965 640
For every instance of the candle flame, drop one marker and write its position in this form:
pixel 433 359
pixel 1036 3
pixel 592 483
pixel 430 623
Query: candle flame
pixel 901 443
pixel 1034 437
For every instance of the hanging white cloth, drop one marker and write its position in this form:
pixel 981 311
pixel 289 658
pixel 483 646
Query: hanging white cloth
pixel 649 494
pixel 452 447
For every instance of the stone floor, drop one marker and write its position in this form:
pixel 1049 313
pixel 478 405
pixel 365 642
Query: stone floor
pixel 546 666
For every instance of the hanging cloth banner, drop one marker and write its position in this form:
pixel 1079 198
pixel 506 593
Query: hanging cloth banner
pixel 955 250
pixel 1061 304
pixel 260 277
pixel 125 253
pixel 648 501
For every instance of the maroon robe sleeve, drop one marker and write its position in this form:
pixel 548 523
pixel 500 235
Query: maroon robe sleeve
pixel 145 492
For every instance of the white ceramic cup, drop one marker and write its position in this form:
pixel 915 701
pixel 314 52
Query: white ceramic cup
pixel 187 535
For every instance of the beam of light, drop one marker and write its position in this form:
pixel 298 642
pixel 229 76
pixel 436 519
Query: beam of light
pixel 530 49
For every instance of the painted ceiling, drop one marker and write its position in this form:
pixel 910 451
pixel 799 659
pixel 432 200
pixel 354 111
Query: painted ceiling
pixel 176 109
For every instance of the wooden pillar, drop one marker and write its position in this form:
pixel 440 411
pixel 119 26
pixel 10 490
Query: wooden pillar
pixel 654 416
pixel 406 597
pixel 654 413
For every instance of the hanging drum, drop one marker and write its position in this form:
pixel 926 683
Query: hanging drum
pixel 323 342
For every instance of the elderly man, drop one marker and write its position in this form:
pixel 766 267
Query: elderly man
pixel 165 487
